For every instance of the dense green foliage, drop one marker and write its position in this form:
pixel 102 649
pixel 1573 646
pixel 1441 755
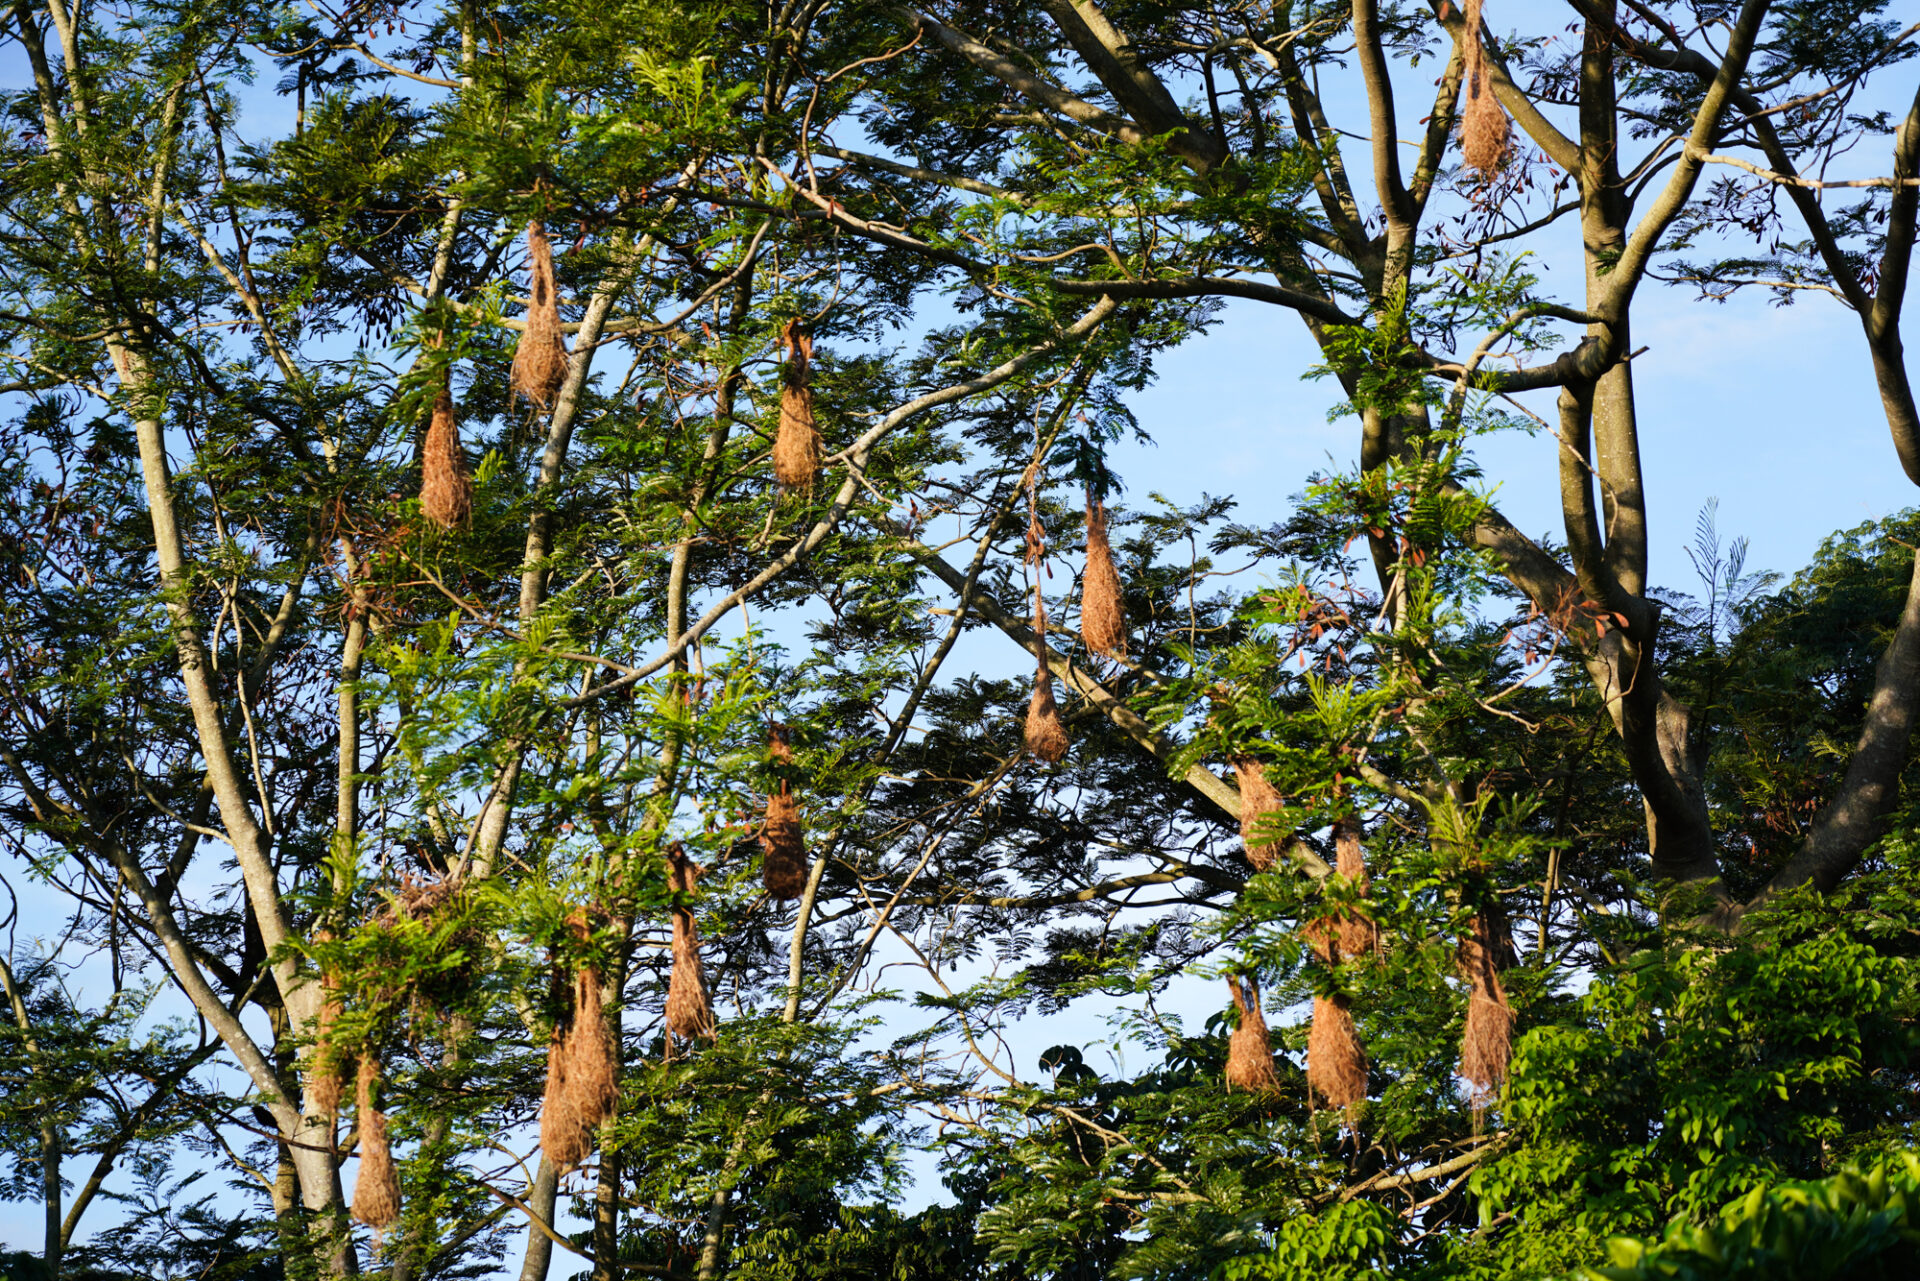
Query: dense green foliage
pixel 324 801
pixel 1858 1223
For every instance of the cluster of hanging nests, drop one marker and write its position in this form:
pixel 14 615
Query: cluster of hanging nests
pixel 338 1060
pixel 540 364
pixel 1337 1066
pixel 540 367
pixel 582 1069
pixel 1103 626
pixel 582 1087
pixel 1336 1060
pixel 582 1065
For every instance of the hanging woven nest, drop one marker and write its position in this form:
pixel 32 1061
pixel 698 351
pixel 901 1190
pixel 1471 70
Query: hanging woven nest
pixel 563 1138
pixel 332 1064
pixel 1358 935
pixel 1486 135
pixel 583 1069
pixel 376 1192
pixel 446 486
pixel 796 450
pixel 1250 1048
pixel 329 1065
pixel 1336 1062
pixel 540 359
pixel 1103 617
pixel 1044 732
pixel 689 1014
pixel 1486 1042
pixel 783 860
pixel 1257 800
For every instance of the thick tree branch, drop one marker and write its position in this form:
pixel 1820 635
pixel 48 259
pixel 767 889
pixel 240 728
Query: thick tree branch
pixel 1111 56
pixel 1624 276
pixel 1319 309
pixel 1871 788
pixel 1027 84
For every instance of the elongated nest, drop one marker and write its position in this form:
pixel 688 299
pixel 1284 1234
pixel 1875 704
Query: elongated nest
pixel 689 1012
pixel 1045 733
pixel 1103 616
pixel 1486 135
pixel 376 1192
pixel 1250 1048
pixel 1257 800
pixel 446 486
pixel 796 449
pixel 1336 1061
pixel 783 859
pixel 540 359
pixel 1358 935
pixel 331 1063
pixel 563 1138
pixel 1486 1042
pixel 783 852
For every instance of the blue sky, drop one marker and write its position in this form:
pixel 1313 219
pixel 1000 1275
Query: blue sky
pixel 1771 410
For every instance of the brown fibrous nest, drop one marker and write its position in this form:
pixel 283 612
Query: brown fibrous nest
pixel 1103 616
pixel 783 861
pixel 1044 732
pixel 1358 935
pixel 540 361
pixel 332 1063
pixel 1250 1049
pixel 689 1012
pixel 446 487
pixel 562 1138
pixel 1046 735
pixel 1486 1043
pixel 376 1192
pixel 796 450
pixel 1486 136
pixel 419 898
pixel 1257 800
pixel 1336 1062
pixel 583 1072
